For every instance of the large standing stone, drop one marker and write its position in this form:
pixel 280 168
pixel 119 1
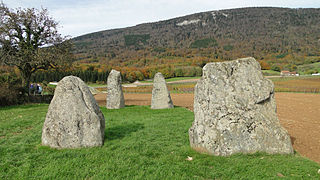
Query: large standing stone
pixel 235 111
pixel 115 99
pixel 73 119
pixel 160 95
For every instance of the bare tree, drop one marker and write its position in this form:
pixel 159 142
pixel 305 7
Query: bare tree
pixel 30 41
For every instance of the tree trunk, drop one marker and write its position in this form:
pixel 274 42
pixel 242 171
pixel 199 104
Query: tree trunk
pixel 26 76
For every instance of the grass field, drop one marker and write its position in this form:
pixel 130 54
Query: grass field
pixel 172 79
pixel 173 88
pixel 305 84
pixel 309 68
pixel 140 143
pixel 270 73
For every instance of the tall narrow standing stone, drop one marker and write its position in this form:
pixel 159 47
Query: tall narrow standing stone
pixel 160 95
pixel 235 111
pixel 74 119
pixel 115 99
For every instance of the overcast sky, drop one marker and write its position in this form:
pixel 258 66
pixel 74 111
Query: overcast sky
pixel 78 17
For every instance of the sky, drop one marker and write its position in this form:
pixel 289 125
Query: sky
pixel 78 17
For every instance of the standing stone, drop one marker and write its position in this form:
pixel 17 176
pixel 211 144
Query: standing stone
pixel 73 119
pixel 115 99
pixel 235 111
pixel 160 95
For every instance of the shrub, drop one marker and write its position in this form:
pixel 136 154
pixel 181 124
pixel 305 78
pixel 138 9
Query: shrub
pixel 311 71
pixel 281 55
pixel 264 65
pixel 204 43
pixel 10 90
pixel 275 68
pixel 228 47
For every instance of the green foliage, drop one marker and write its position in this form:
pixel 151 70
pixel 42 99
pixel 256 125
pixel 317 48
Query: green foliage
pixel 86 75
pixel 29 40
pixel 311 71
pixel 178 72
pixel 139 75
pixel 136 39
pixel 140 143
pixel 309 68
pixel 275 68
pixel 290 67
pixel 10 90
pixel 204 43
pixel 228 47
pixel 159 49
pixel 267 41
pixel 82 44
pixel 281 55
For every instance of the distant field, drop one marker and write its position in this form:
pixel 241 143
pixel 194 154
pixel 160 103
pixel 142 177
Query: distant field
pixel 306 84
pixel 270 73
pixel 97 85
pixel 172 79
pixel 140 143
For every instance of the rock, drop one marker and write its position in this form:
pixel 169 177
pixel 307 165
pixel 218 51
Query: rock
pixel 74 118
pixel 94 91
pixel 160 95
pixel 115 99
pixel 235 111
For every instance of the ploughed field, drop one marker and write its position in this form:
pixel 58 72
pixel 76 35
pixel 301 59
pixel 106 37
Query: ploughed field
pixel 299 113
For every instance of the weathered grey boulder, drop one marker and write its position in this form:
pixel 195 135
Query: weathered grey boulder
pixel 73 119
pixel 160 95
pixel 115 99
pixel 235 111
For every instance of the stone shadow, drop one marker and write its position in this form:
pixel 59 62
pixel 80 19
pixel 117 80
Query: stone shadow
pixel 121 131
pixel 293 139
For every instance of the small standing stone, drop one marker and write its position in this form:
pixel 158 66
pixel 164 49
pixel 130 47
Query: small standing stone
pixel 160 95
pixel 74 118
pixel 115 98
pixel 235 111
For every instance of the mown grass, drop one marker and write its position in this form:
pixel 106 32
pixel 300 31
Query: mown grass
pixel 140 143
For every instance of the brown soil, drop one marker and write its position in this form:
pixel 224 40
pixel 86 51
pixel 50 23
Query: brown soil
pixel 299 113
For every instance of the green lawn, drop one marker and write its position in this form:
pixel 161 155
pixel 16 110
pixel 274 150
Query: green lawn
pixel 140 143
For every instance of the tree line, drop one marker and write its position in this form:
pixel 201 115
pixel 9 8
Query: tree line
pixel 128 74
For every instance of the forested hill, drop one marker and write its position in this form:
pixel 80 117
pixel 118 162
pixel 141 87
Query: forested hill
pixel 265 33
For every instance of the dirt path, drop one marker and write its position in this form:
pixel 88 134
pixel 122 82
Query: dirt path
pixel 299 113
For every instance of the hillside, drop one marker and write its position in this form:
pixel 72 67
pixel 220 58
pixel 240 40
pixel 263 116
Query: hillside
pixel 224 35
